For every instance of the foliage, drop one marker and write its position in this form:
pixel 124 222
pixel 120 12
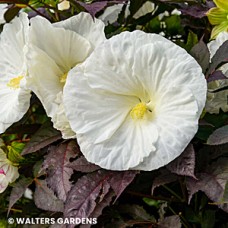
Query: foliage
pixel 191 191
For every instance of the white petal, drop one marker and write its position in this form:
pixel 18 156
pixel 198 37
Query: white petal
pixel 101 114
pixel 65 47
pixel 86 26
pixel 125 149
pixel 43 78
pixel 12 64
pixel 164 65
pixel 60 121
pixel 177 121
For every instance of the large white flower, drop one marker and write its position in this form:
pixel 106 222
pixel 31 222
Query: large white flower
pixel 8 172
pixel 53 50
pixel 135 102
pixel 217 100
pixel 14 97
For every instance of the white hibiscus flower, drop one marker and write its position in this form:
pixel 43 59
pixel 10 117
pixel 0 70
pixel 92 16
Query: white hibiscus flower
pixel 8 172
pixel 218 100
pixel 54 50
pixel 14 97
pixel 135 102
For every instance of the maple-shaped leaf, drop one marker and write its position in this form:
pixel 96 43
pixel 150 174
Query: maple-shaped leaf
pixel 18 190
pixel 219 136
pixel 85 194
pixel 170 221
pixel 45 198
pixel 82 165
pixel 42 138
pixel 212 182
pixel 56 164
pixel 121 180
pixel 184 165
pixel 95 7
pixel 165 177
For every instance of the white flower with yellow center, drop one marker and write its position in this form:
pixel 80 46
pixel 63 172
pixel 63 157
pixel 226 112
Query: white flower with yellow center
pixel 218 100
pixel 14 97
pixel 8 172
pixel 135 102
pixel 53 50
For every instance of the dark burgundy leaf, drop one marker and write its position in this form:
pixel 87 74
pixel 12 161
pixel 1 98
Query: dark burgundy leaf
pixel 196 11
pixel 212 182
pixel 23 129
pixel 45 198
pixel 95 7
pixel 58 172
pixel 219 136
pixel 42 138
pixel 216 75
pixel 165 177
pixel 136 212
pixel 84 195
pixel 82 165
pixel 184 165
pixel 100 206
pixel 201 53
pixel 220 57
pixel 121 180
pixel 18 190
pixel 171 221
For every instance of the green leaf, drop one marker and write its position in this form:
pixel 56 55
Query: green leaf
pixel 191 41
pixel 15 149
pixel 152 202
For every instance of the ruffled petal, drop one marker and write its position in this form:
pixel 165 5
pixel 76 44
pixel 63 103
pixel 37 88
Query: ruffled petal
pixel 165 65
pixel 98 115
pixel 86 26
pixel 65 47
pixel 125 149
pixel 177 121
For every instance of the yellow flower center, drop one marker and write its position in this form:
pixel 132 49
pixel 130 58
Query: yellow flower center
pixel 14 83
pixel 63 78
pixel 138 111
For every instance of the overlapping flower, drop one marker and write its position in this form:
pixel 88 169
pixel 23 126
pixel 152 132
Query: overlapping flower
pixel 137 100
pixel 67 43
